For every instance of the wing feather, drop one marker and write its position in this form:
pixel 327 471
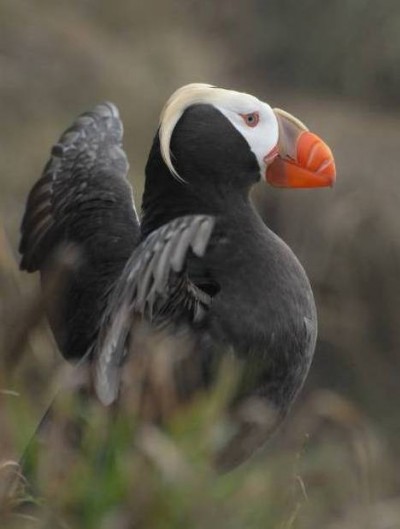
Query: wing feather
pixel 154 285
pixel 85 174
pixel 83 198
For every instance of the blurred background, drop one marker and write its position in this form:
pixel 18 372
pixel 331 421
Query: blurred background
pixel 333 64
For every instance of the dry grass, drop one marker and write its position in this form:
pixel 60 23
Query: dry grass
pixel 117 468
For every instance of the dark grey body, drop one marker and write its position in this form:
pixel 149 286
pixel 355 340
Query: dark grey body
pixel 201 256
pixel 270 321
pixel 264 308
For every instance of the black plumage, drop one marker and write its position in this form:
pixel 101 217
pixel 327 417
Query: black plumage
pixel 200 257
pixel 83 200
pixel 155 285
pixel 264 309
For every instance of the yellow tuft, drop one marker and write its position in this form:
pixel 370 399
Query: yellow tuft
pixel 184 97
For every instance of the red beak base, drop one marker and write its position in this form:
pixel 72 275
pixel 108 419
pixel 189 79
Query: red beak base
pixel 303 160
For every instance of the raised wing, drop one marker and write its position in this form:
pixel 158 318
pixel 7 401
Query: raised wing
pixel 154 284
pixel 83 199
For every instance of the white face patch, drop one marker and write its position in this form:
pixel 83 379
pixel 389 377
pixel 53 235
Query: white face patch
pixel 261 134
pixel 261 137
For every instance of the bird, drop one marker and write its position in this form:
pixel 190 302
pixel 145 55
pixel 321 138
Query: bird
pixel 198 257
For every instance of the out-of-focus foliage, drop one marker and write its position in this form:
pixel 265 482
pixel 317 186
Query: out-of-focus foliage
pixel 96 467
pixel 346 48
pixel 334 65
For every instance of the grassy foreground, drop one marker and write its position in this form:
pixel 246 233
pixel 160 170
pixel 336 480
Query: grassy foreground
pixel 327 467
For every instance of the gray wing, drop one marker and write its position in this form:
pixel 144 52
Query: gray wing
pixel 83 199
pixel 154 285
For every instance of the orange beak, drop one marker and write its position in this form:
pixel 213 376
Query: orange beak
pixel 303 159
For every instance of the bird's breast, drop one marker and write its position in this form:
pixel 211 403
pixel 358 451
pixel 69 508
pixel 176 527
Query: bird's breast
pixel 265 312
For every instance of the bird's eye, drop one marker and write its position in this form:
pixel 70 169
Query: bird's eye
pixel 251 119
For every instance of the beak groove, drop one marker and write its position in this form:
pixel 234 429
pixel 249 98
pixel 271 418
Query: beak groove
pixel 304 160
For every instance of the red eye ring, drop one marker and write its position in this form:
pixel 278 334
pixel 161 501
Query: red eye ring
pixel 251 119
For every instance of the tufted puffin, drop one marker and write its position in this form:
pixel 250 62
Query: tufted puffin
pixel 199 258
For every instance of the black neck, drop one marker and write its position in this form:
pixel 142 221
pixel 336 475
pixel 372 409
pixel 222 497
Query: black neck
pixel 165 197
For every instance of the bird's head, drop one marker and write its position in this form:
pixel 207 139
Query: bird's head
pixel 218 133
